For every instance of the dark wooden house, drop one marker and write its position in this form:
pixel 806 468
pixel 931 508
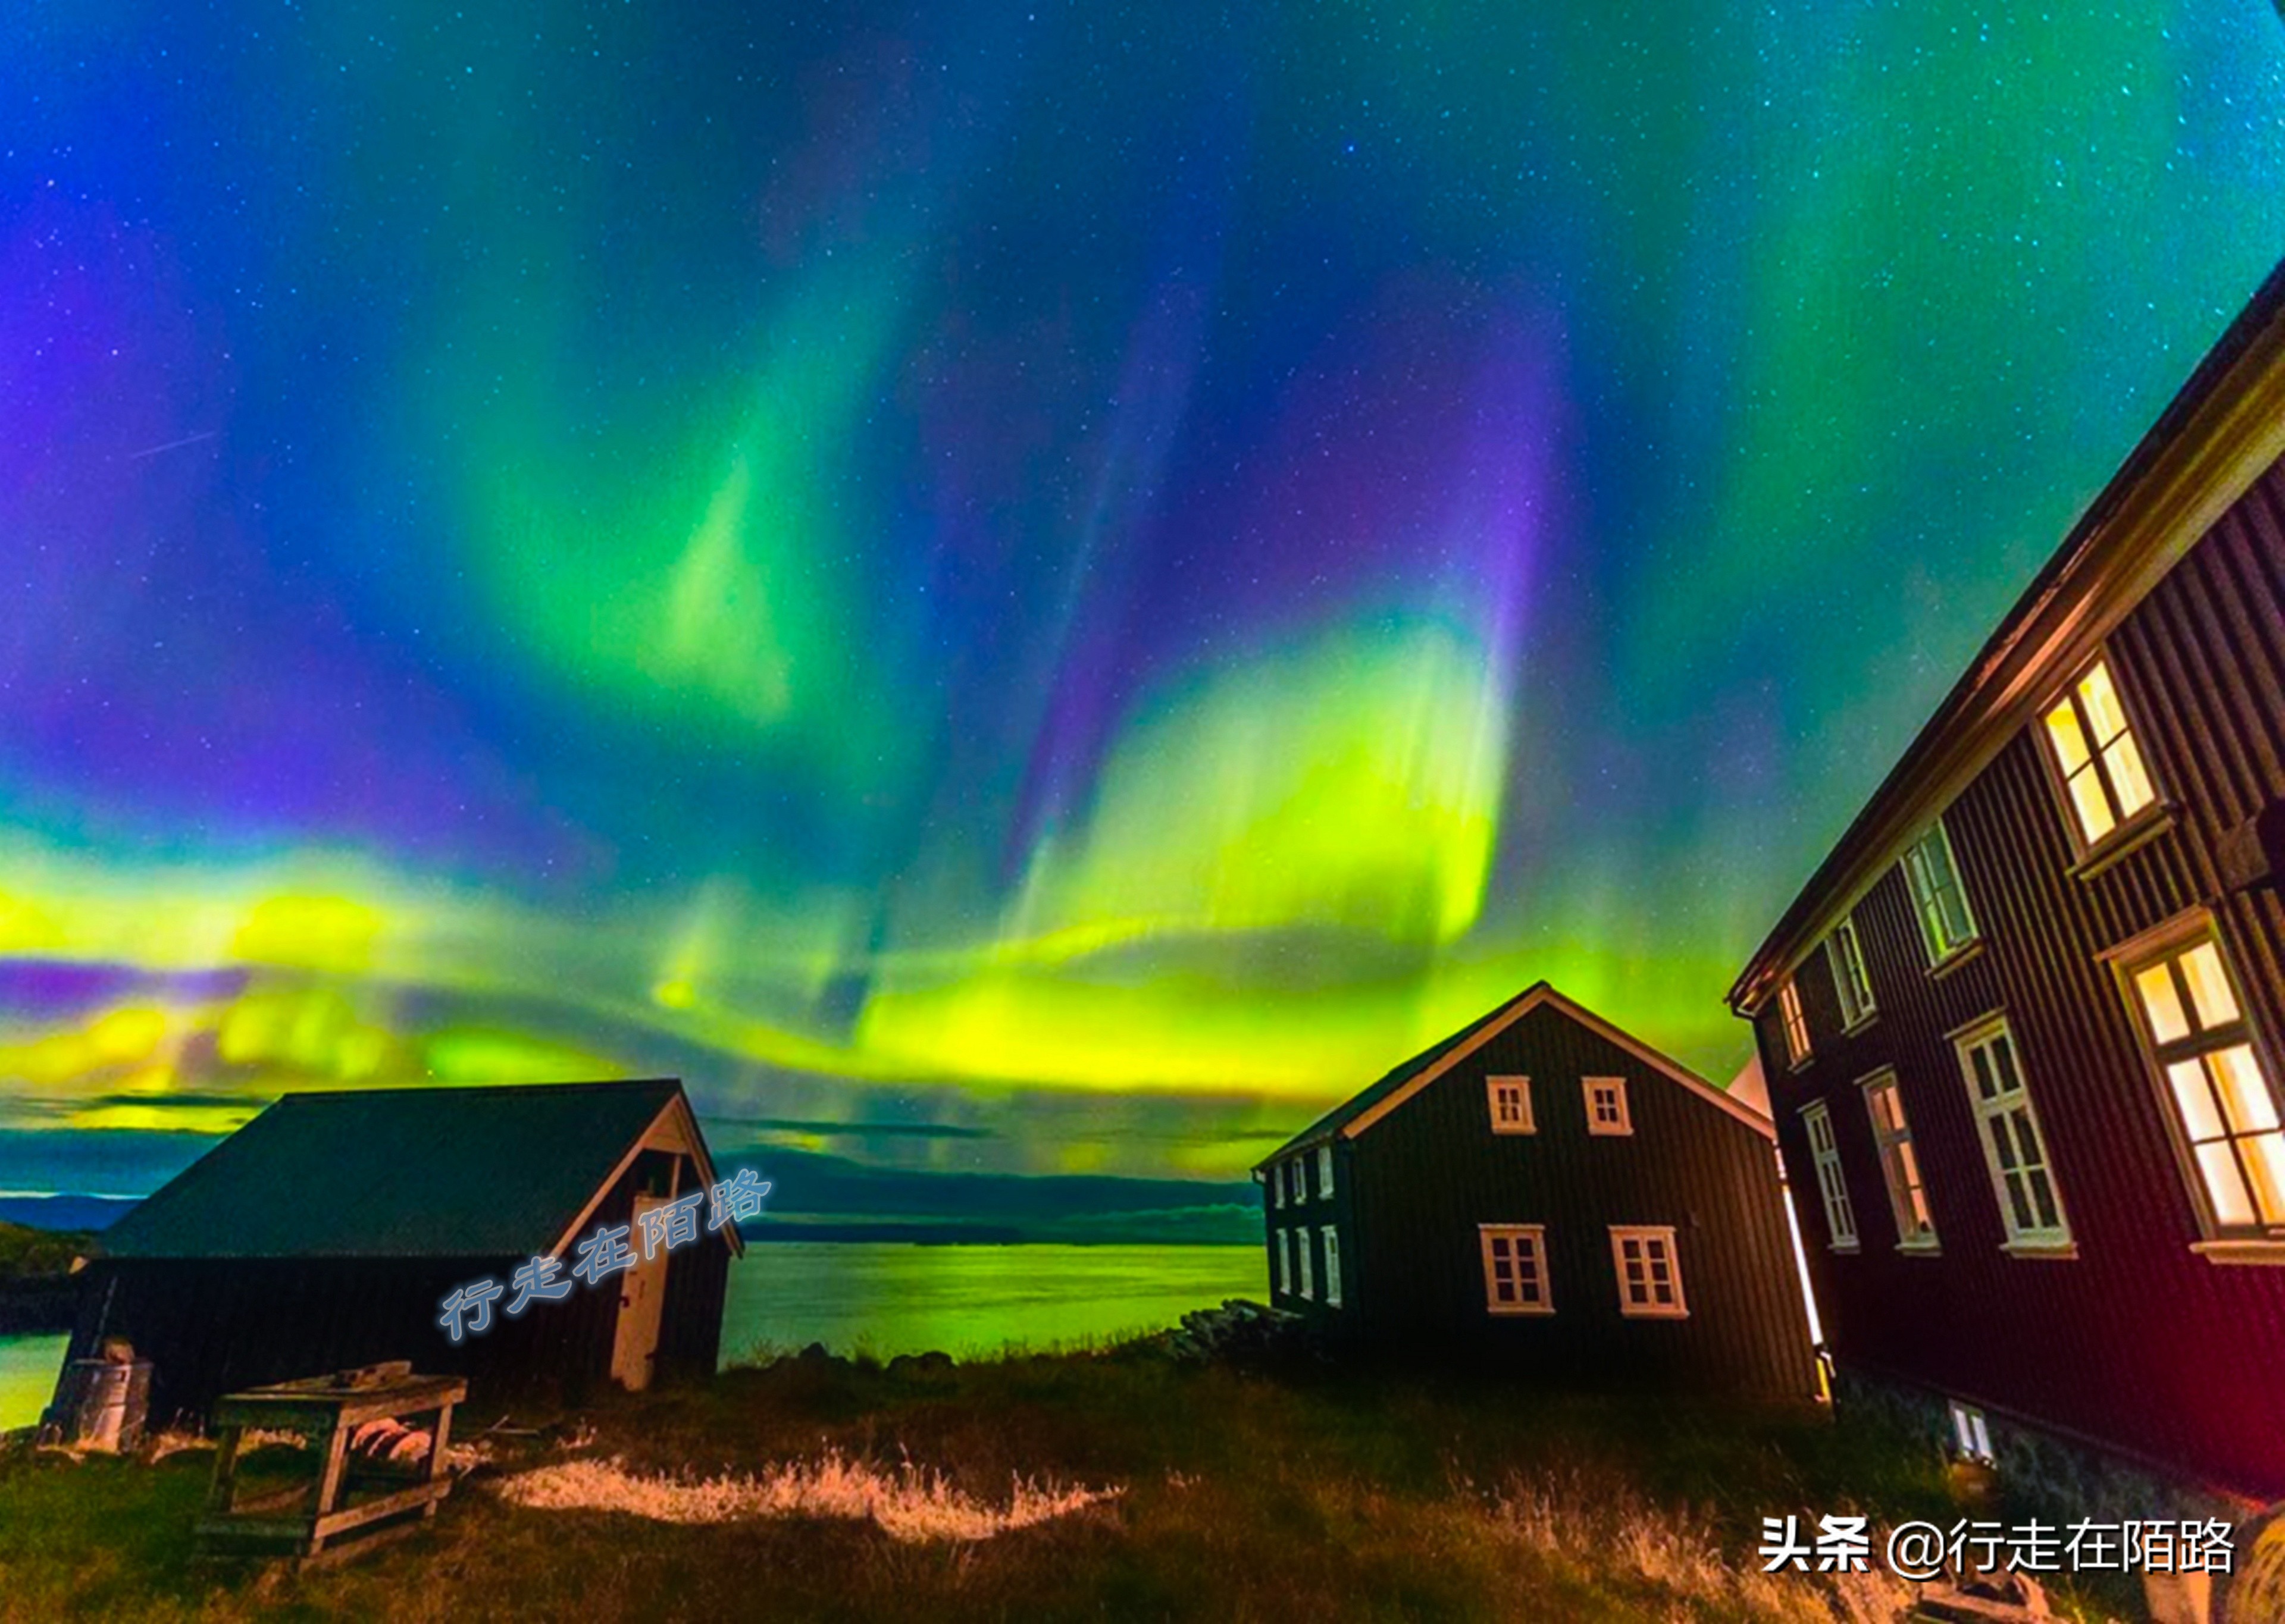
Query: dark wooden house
pixel 2021 1027
pixel 325 1234
pixel 1544 1192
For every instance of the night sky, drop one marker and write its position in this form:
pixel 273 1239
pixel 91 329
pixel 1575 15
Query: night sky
pixel 1017 588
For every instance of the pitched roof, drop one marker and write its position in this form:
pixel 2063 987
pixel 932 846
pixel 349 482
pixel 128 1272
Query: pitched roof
pixel 1357 1113
pixel 2220 433
pixel 399 1172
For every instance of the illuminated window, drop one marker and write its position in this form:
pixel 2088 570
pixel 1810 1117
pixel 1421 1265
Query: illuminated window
pixel 1515 1269
pixel 1332 1267
pixel 1510 1099
pixel 1825 1155
pixel 1307 1287
pixel 1606 1106
pixel 1938 898
pixel 1650 1277
pixel 1326 1171
pixel 2222 1102
pixel 1855 987
pixel 1900 1165
pixel 1796 1025
pixel 2094 750
pixel 2016 1150
pixel 1284 1259
pixel 1973 1437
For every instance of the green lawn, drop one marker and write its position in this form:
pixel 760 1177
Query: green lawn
pixel 1242 1496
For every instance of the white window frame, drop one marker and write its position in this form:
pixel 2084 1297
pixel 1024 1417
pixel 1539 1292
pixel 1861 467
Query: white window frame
pixel 1900 1162
pixel 1852 983
pixel 1333 1237
pixel 1497 1090
pixel 1655 1240
pixel 1297 1169
pixel 1971 1433
pixel 2224 1136
pixel 1278 1184
pixel 2107 767
pixel 1927 892
pixel 1794 1023
pixel 1307 1290
pixel 1324 1172
pixel 1624 1122
pixel 1284 1262
pixel 2015 1108
pixel 1523 1241
pixel 1831 1180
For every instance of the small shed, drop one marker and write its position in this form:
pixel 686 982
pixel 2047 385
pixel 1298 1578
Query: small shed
pixel 325 1232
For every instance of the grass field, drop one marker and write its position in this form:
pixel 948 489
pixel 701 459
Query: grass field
pixel 1107 1485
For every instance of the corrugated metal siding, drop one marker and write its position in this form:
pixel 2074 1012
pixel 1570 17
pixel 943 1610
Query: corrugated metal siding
pixel 1418 1182
pixel 2137 1341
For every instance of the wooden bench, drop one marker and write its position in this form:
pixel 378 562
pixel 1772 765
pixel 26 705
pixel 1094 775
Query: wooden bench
pixel 375 1499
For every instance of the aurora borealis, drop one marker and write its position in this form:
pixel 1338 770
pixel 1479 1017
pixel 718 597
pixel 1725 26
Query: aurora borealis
pixel 1017 588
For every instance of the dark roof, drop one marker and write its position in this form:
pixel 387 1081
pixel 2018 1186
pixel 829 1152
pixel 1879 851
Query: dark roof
pixel 2221 426
pixel 1357 1104
pixel 399 1172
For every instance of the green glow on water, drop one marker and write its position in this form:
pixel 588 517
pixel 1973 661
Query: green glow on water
pixel 888 1299
pixel 27 1377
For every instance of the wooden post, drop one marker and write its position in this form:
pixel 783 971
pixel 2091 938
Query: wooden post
pixel 224 1488
pixel 329 1482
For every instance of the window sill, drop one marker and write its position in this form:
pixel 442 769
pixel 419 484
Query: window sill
pixel 1795 1067
pixel 1521 1314
pixel 2043 1250
pixel 1654 1314
pixel 1870 1018
pixel 2271 1253
pixel 1847 1249
pixel 1920 1249
pixel 1972 948
pixel 2130 837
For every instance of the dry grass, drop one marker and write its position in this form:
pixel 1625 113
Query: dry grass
pixel 1680 1554
pixel 908 1502
pixel 1087 1486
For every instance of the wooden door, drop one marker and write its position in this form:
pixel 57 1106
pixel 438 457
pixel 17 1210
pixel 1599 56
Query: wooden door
pixel 642 1303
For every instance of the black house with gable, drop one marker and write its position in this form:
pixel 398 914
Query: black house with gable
pixel 1546 1194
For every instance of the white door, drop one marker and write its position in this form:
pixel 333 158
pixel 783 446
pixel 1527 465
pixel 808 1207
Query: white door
pixel 642 1301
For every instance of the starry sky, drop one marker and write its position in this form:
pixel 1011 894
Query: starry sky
pixel 1016 588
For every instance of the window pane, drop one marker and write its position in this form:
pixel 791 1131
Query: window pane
pixel 1981 1059
pixel 2128 780
pixel 2070 743
pixel 2244 1094
pixel 2210 993
pixel 2095 819
pixel 2043 1190
pixel 2103 710
pixel 2162 1003
pixel 2003 1064
pixel 2264 1161
pixel 2218 1168
pixel 2200 1119
pixel 2019 1202
pixel 2003 1144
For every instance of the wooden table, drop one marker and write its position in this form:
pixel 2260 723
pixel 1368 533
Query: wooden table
pixel 350 1493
